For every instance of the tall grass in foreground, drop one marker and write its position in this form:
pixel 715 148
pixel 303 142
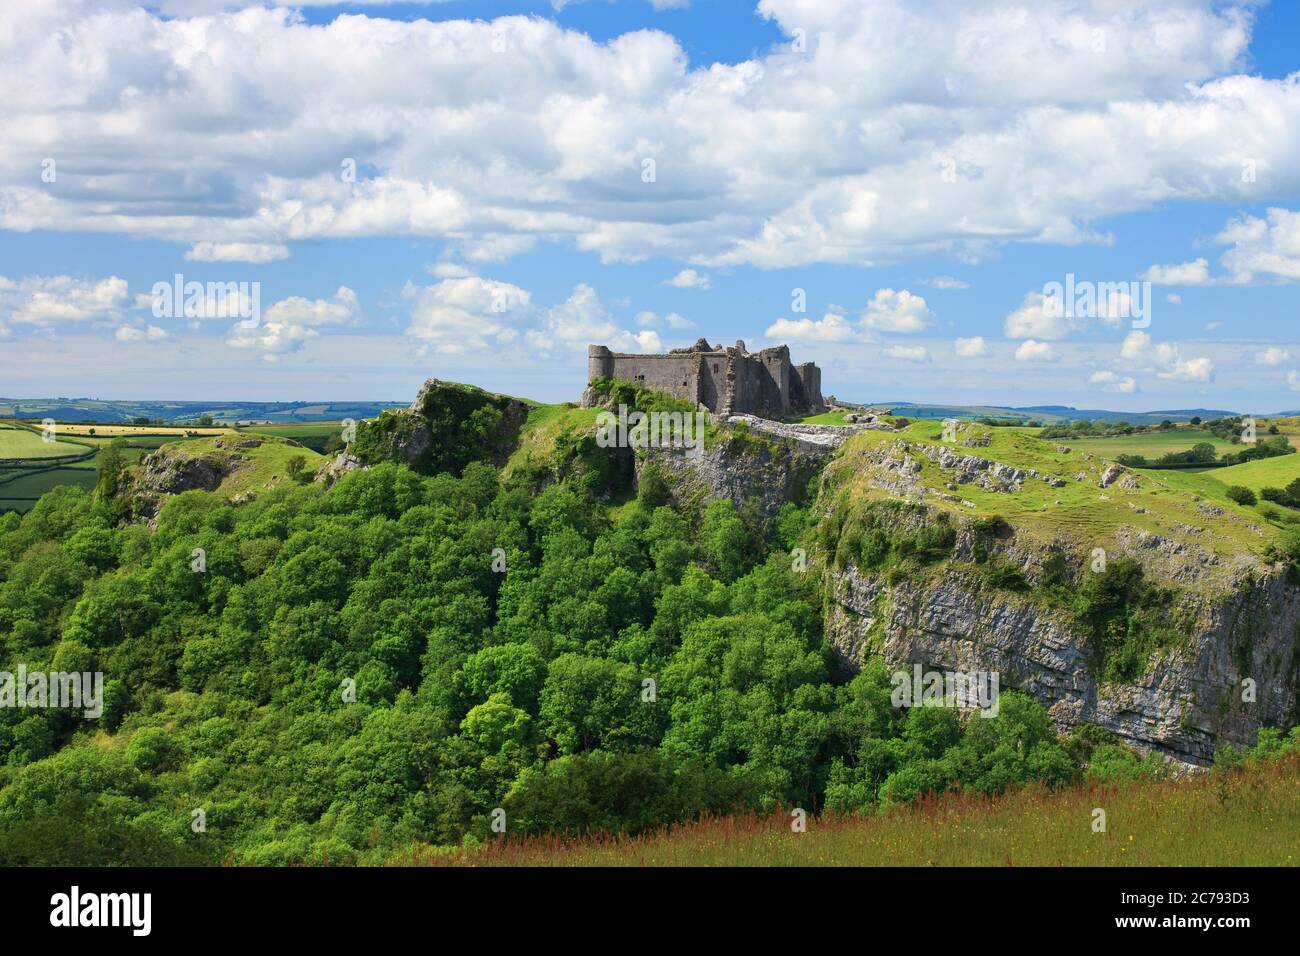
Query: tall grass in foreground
pixel 1247 815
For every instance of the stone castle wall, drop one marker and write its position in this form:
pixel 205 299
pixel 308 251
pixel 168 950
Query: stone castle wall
pixel 723 381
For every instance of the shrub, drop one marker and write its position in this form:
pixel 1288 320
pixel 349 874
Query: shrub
pixel 1008 577
pixel 1277 496
pixel 1242 495
pixel 618 792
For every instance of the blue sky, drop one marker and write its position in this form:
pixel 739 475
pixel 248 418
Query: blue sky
pixel 921 171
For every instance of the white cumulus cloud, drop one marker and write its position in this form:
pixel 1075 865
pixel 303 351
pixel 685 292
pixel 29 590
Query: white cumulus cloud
pixel 1031 350
pixel 689 279
pixel 1113 382
pixel 132 333
pixel 505 133
pixel 48 301
pixel 289 323
pixel 1140 351
pixel 1196 272
pixel 468 313
pixel 901 311
pixel 255 252
pixel 832 327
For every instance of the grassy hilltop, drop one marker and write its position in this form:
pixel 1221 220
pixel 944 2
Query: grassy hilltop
pixel 1079 511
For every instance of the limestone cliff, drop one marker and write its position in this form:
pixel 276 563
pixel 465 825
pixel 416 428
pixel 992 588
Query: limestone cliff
pixel 1202 649
pixel 751 468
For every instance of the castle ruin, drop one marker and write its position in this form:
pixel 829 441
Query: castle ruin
pixel 724 381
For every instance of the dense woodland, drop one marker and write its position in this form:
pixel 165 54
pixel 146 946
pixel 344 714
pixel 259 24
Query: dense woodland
pixel 476 688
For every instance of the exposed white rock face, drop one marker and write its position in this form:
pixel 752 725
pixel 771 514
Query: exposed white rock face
pixel 1187 703
pixel 1118 475
pixel 766 474
pixel 336 467
pixel 172 470
pixel 958 468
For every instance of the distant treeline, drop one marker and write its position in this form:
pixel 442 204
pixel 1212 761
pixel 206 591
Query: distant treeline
pixel 1010 422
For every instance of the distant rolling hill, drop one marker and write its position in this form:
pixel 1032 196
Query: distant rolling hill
pixel 95 410
pixel 1048 414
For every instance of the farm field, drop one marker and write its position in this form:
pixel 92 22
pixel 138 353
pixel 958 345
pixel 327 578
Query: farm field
pixel 17 442
pixel 1212 483
pixel 1248 816
pixel 38 470
pixel 1255 475
pixel 34 466
pixel 1150 444
pixel 23 490
pixel 1290 427
pixel 312 435
pixel 131 431
pixel 175 412
pixel 1267 472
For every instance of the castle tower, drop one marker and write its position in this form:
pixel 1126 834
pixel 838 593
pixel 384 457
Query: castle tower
pixel 600 363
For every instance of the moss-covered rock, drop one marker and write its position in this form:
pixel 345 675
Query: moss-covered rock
pixel 447 426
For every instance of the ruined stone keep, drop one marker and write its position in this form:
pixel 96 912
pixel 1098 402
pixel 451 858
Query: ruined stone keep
pixel 725 381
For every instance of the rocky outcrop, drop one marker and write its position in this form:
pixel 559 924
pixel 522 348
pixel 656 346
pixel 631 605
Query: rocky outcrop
pixel 337 467
pixel 172 470
pixel 752 470
pixel 446 427
pixel 1118 475
pixel 1205 651
pixel 1186 704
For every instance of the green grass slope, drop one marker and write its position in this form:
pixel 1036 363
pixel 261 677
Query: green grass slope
pixel 264 465
pixel 1080 513
pixel 542 429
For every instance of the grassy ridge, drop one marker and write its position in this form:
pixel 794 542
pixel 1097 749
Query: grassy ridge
pixel 1080 512
pixel 1247 816
pixel 314 436
pixel 825 418
pixel 266 465
pixel 544 425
